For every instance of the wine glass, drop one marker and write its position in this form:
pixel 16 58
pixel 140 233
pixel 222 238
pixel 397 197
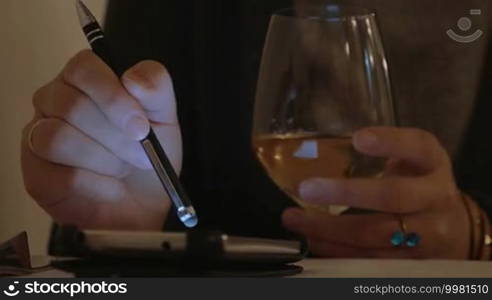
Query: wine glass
pixel 324 75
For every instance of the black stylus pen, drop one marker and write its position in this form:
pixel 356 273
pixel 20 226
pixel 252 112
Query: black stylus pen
pixel 151 145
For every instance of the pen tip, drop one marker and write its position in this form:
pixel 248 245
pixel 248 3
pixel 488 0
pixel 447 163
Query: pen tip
pixel 85 15
pixel 191 222
pixel 188 216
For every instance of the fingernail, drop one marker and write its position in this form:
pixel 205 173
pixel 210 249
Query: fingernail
pixel 313 190
pixel 138 128
pixel 133 79
pixel 365 139
pixel 138 79
pixel 293 217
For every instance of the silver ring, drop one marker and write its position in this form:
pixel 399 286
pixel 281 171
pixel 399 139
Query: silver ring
pixel 31 131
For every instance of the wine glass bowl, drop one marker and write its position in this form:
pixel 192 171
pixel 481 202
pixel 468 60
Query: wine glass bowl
pixel 324 76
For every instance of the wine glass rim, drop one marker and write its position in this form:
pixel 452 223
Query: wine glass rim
pixel 334 13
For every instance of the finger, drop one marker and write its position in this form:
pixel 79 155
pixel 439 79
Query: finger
pixel 361 235
pixel 390 195
pixel 58 142
pixel 61 101
pixel 372 231
pixel 50 183
pixel 150 83
pixel 93 77
pixel 413 145
pixel 83 198
pixel 321 248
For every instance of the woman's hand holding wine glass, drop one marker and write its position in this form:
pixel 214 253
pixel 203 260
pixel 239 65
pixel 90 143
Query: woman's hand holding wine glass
pixel 325 130
pixel 418 186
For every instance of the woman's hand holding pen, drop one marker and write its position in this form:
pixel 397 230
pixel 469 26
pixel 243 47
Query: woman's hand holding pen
pixel 81 156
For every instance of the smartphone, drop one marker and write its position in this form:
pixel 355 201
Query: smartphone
pixel 212 247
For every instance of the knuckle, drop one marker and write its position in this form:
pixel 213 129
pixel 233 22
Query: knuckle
pixel 39 96
pixel 150 74
pixel 428 140
pixel 114 102
pixel 60 101
pixel 122 170
pixel 69 105
pixel 429 146
pixel 52 134
pixel 76 69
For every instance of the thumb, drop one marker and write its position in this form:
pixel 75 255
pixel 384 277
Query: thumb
pixel 151 84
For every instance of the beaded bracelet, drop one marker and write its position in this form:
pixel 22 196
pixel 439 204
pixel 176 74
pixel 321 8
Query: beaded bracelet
pixel 486 253
pixel 473 227
pixel 480 234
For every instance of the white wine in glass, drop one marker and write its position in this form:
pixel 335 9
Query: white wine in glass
pixel 324 75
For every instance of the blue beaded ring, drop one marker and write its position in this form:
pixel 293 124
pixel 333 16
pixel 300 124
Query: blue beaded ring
pixel 412 240
pixel 401 238
pixel 398 239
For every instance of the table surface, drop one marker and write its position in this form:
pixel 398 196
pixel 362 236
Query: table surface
pixel 370 268
pixel 376 268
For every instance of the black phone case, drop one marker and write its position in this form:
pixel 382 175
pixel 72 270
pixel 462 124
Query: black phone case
pixel 204 256
pixel 149 268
